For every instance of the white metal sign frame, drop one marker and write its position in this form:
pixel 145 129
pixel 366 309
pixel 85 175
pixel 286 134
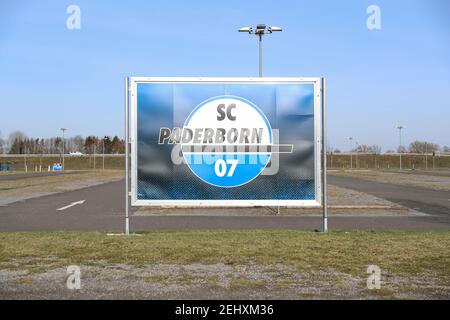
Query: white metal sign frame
pixel 319 132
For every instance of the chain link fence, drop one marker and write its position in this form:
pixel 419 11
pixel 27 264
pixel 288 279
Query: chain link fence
pixel 37 162
pixel 388 161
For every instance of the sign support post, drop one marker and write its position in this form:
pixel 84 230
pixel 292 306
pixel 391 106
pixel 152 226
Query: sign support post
pixel 324 158
pixel 127 155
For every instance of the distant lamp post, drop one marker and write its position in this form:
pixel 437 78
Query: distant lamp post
pixel 400 128
pixel 260 31
pixel 103 150
pixel 95 150
pixel 25 161
pixel 63 147
pixel 356 155
pixel 351 151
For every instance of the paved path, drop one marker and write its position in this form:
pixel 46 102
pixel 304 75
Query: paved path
pixel 429 201
pixel 103 209
pixel 436 173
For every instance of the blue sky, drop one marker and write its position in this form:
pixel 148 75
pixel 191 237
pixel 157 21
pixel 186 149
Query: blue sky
pixel 52 76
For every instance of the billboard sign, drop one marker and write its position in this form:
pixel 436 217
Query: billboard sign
pixel 225 141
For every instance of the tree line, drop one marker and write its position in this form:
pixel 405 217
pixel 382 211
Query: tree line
pixel 18 143
pixel 414 147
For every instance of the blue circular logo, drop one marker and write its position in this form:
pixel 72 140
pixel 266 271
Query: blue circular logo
pixel 229 143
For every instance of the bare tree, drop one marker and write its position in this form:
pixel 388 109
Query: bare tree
pixel 401 149
pixel 375 149
pixel 78 143
pixel 16 135
pixel 423 147
pixel 2 144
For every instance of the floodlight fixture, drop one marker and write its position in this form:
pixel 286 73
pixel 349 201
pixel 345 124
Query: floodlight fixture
pixel 246 29
pixel 275 29
pixel 261 29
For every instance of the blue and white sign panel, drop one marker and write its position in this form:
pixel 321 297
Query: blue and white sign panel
pixel 225 141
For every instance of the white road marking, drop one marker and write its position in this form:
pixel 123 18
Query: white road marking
pixel 71 205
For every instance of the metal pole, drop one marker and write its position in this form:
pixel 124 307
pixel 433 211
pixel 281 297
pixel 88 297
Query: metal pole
pixel 324 160
pixel 260 55
pixel 260 75
pixel 127 218
pixel 400 147
pixel 351 159
pixel 426 156
pixel 25 162
pixel 63 145
pixel 351 152
pixel 103 150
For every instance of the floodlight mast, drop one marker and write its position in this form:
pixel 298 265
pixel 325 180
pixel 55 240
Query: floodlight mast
pixel 63 147
pixel 261 29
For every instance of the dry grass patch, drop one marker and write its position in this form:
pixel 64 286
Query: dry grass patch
pixel 399 252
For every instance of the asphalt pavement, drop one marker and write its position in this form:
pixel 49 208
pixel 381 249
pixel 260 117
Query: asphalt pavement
pixel 432 202
pixel 102 208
